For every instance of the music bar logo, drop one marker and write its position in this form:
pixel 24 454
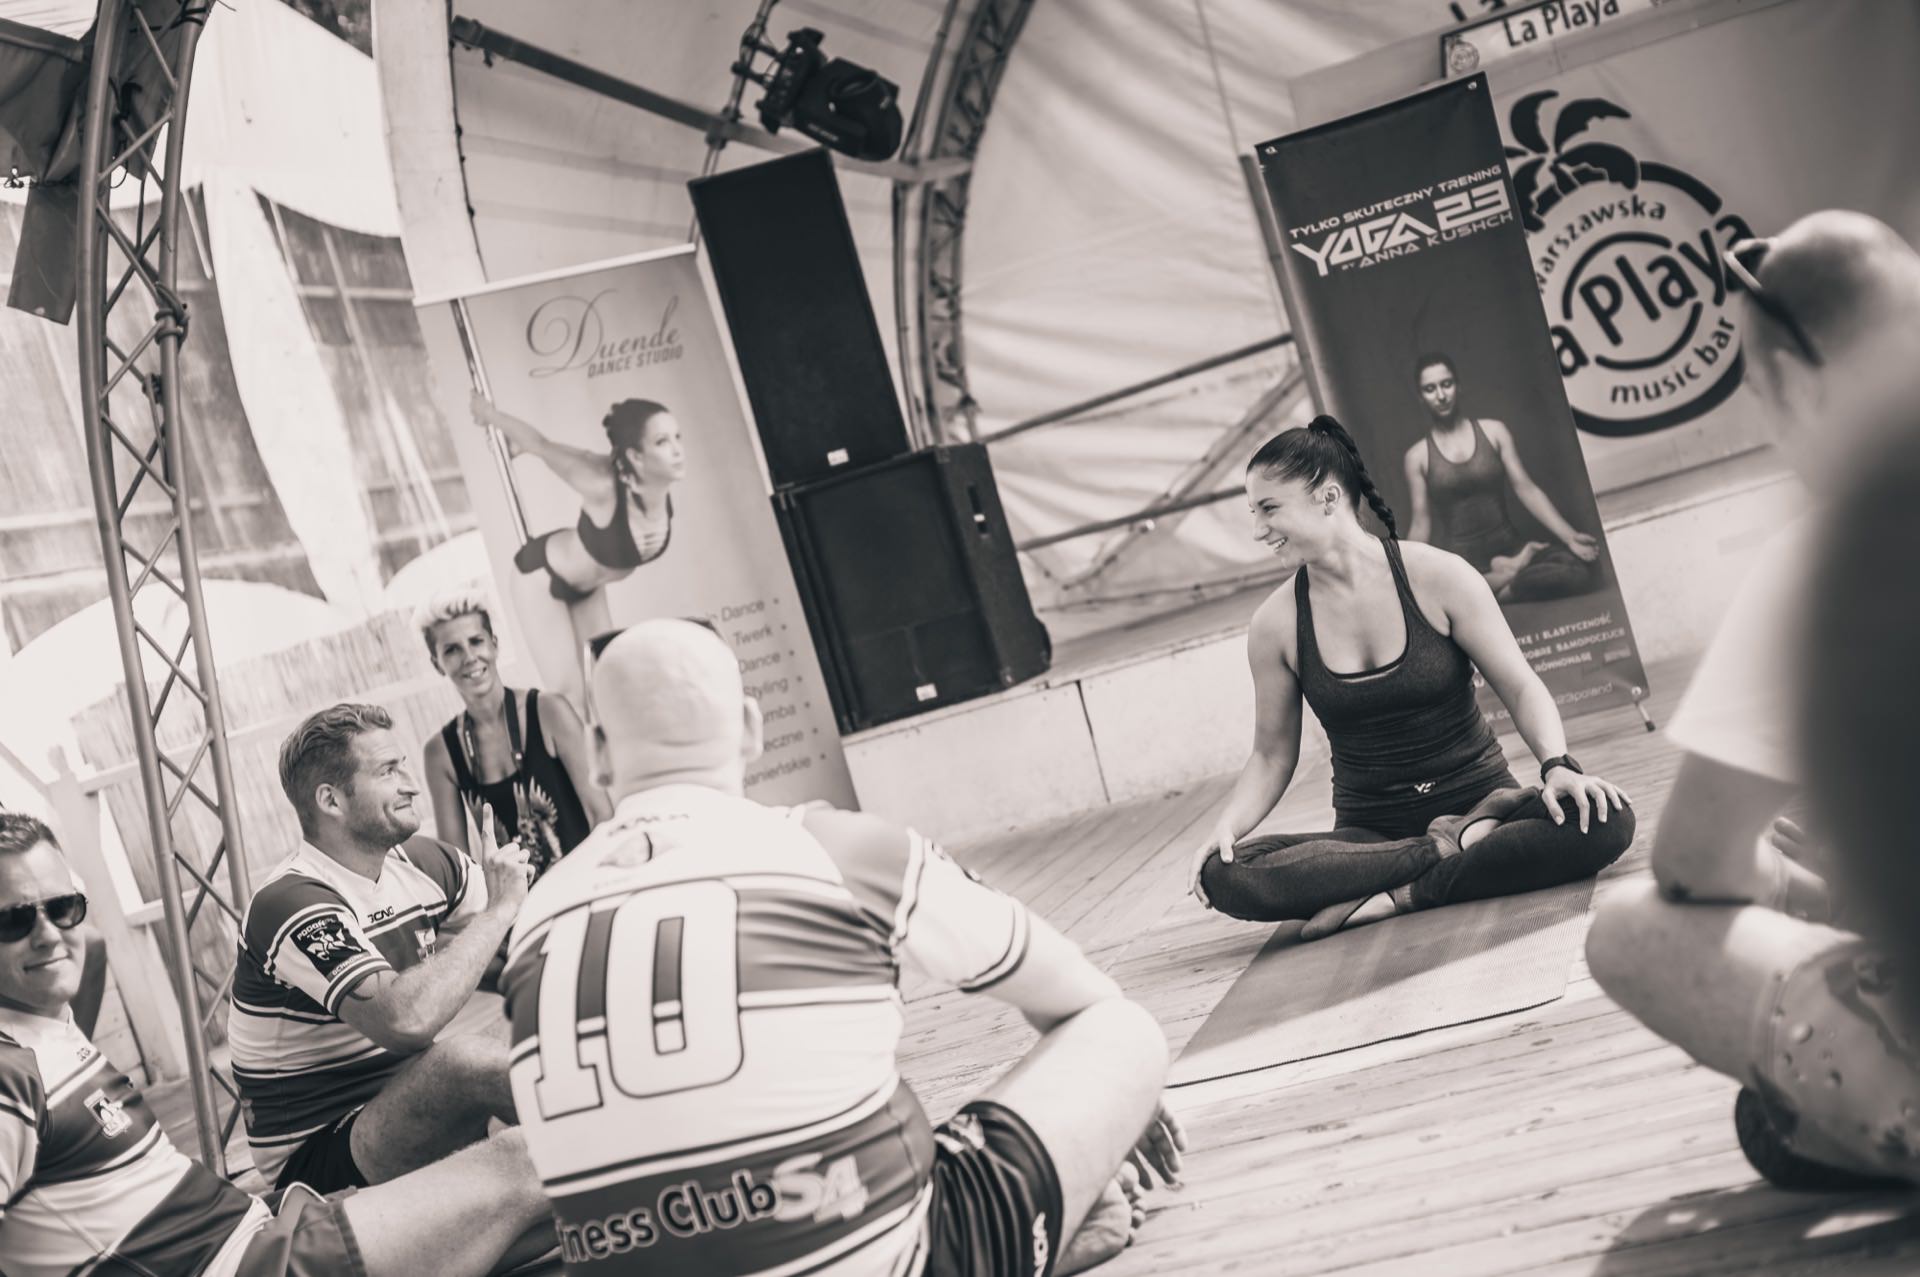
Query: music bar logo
pixel 1626 255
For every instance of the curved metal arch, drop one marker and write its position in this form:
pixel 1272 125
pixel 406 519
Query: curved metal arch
pixel 937 215
pixel 135 124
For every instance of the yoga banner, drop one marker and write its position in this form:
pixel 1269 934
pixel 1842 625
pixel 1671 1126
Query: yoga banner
pixel 1413 298
pixel 615 477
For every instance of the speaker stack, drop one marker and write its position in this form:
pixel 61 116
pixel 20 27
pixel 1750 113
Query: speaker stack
pixel 904 561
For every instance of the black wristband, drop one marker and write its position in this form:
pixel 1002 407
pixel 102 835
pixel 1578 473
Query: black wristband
pixel 1560 760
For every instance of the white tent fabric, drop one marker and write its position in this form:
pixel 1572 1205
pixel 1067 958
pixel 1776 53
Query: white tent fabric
pixel 1111 237
pixel 295 112
pixel 558 175
pixel 298 423
pixel 70 18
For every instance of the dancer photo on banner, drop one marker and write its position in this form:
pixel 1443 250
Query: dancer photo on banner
pixel 1412 292
pixel 1464 478
pixel 616 481
pixel 626 494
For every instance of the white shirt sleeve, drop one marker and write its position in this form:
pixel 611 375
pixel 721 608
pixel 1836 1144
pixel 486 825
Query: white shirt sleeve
pixel 953 926
pixel 1739 709
pixel 22 1105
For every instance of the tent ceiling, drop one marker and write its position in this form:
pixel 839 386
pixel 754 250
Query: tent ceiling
pixel 558 175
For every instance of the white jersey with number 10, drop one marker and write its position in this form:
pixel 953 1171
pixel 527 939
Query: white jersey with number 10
pixel 705 1013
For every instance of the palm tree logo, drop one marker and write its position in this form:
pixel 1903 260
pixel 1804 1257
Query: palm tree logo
pixel 1639 321
pixel 1546 175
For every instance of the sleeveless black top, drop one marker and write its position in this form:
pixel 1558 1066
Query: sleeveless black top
pixel 1469 502
pixel 613 546
pixel 535 803
pixel 1408 736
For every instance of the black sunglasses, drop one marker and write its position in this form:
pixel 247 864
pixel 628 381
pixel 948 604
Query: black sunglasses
pixel 65 912
pixel 1743 261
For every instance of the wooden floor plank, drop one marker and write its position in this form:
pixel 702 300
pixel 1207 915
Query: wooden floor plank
pixel 1566 1139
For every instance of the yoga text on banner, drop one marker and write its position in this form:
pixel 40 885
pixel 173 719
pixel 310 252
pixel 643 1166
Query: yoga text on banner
pixel 1413 297
pixel 618 482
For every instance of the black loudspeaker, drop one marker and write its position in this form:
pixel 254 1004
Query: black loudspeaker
pixel 803 327
pixel 911 586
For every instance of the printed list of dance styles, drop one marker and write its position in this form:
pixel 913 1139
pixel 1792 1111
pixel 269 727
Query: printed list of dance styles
pixel 766 636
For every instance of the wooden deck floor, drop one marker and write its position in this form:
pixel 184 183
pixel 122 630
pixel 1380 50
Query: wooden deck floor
pixel 1563 1140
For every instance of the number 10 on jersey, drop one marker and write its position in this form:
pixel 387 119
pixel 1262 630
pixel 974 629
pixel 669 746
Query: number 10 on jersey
pixel 643 996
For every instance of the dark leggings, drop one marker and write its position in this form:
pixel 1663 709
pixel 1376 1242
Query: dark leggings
pixel 1277 877
pixel 1556 573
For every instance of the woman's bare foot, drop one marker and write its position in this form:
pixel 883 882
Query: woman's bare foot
pixel 1350 913
pixel 1109 1227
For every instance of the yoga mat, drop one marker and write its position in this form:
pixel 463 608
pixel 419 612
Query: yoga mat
pixel 1297 1000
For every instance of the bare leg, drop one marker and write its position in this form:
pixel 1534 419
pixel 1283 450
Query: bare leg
pixel 1088 1089
pixel 456 1217
pixel 592 615
pixel 1699 975
pixel 1108 1228
pixel 439 1103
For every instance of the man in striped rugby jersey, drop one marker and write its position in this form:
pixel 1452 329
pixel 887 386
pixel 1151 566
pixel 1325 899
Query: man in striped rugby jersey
pixel 358 951
pixel 90 1182
pixel 706 1008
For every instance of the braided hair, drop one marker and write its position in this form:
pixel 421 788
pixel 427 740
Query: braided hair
pixel 1324 449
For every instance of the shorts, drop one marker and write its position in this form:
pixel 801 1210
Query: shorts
pixel 324 1160
pixel 996 1208
pixel 1837 1066
pixel 308 1236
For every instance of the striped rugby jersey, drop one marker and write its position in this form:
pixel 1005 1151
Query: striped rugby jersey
pixel 705 1013
pixel 88 1180
pixel 313 931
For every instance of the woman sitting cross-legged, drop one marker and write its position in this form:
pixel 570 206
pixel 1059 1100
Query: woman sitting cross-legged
pixel 1382 640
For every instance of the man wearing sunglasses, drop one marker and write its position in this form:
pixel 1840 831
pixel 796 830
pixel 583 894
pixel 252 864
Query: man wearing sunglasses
pixel 1731 952
pixel 90 1182
pixel 706 1013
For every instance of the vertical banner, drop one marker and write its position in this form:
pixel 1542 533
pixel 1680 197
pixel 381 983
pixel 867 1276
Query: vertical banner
pixel 633 491
pixel 1414 300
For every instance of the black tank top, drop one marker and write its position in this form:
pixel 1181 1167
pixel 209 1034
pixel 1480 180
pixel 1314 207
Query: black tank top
pixel 1408 734
pixel 613 546
pixel 536 803
pixel 1469 501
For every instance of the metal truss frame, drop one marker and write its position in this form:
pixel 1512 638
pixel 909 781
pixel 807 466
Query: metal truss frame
pixel 135 130
pixel 938 213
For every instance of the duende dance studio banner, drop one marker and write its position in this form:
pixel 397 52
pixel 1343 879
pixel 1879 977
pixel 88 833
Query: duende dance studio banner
pixel 633 490
pixel 1413 295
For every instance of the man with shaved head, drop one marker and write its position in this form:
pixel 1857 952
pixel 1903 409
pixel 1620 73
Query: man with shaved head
pixel 1734 952
pixel 705 1010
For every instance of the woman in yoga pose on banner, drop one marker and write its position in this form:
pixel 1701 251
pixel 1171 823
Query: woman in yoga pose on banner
pixel 1460 474
pixel 1382 641
pixel 626 494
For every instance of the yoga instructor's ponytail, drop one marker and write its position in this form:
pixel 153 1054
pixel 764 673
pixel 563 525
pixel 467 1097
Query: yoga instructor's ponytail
pixel 1322 449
